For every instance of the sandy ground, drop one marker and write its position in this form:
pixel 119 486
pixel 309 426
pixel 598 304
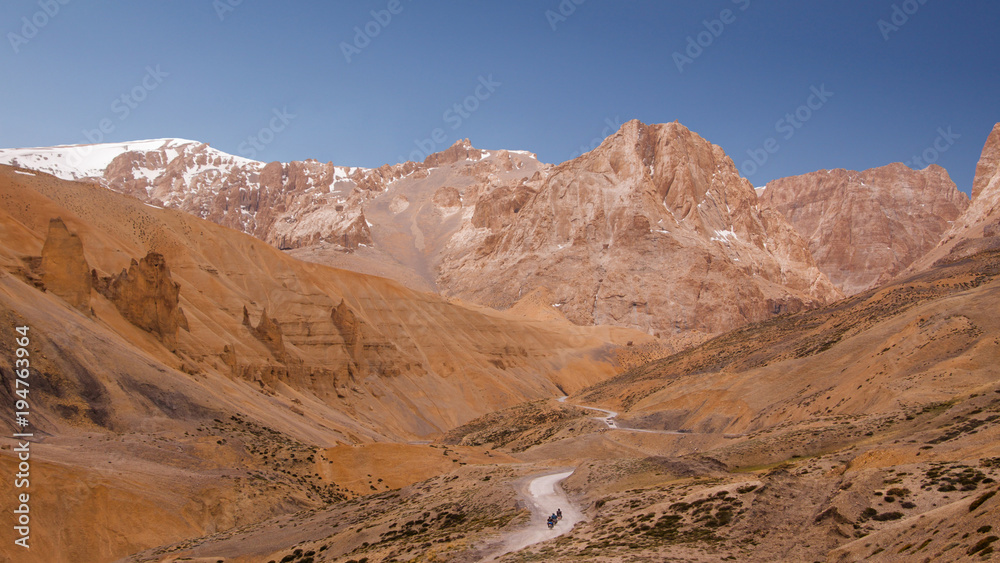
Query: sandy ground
pixel 544 497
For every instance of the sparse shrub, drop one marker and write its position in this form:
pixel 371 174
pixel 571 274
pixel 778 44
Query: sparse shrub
pixel 982 545
pixel 979 501
pixel 885 516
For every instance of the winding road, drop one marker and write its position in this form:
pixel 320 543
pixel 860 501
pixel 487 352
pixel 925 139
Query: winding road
pixel 611 423
pixel 544 497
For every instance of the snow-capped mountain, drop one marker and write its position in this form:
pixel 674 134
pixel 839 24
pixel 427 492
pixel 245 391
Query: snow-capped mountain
pixel 237 192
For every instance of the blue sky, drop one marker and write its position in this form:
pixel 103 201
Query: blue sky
pixel 271 81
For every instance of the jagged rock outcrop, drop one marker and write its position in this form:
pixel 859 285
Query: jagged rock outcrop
pixel 147 296
pixel 64 269
pixel 349 327
pixel 268 331
pixel 863 228
pixel 655 229
pixel 460 150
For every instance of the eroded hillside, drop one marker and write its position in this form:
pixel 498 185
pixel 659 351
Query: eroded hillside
pixel 194 377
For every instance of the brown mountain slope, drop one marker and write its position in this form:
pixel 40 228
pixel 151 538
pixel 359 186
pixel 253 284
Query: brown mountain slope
pixel 654 229
pixel 863 228
pixel 196 389
pixel 864 431
pixel 397 333
pixel 917 340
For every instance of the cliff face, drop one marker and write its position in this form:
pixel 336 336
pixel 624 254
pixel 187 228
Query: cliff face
pixel 863 228
pixel 978 228
pixel 655 230
pixel 984 212
pixel 988 168
pixel 64 269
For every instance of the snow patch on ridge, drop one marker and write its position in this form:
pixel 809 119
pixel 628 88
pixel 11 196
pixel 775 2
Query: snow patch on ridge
pixel 725 236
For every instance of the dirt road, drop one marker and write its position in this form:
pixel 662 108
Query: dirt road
pixel 611 423
pixel 544 496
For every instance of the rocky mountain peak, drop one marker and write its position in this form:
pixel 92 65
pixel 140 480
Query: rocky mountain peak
pixel 462 149
pixel 692 178
pixel 654 229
